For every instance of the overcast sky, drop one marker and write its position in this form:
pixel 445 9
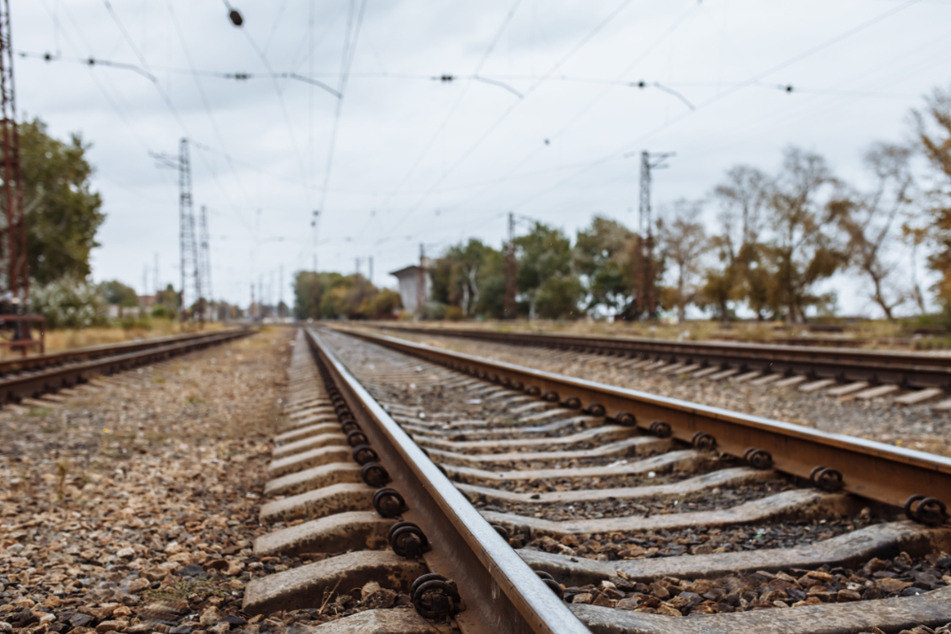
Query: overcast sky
pixel 543 118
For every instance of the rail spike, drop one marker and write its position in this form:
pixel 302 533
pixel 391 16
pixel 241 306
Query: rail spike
pixel 703 441
pixel 926 510
pixel 435 597
pixel 826 479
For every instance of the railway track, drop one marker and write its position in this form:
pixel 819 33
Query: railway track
pixel 31 377
pixel 908 377
pixel 546 503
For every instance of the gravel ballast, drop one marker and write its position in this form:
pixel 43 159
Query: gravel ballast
pixel 131 504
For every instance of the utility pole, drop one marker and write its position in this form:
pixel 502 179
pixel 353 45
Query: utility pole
pixel 646 299
pixel 155 276
pixel 17 278
pixel 421 283
pixel 313 225
pixel 205 256
pixel 511 273
pixel 371 269
pixel 280 293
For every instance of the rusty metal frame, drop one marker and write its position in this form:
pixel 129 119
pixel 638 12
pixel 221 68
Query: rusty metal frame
pixel 870 469
pixel 500 591
pixel 25 344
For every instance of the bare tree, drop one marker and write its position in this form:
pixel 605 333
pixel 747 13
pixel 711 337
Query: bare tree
pixel 933 128
pixel 683 240
pixel 871 219
pixel 743 197
pixel 804 247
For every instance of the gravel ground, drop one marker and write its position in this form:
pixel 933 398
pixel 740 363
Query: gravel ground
pixel 716 498
pixel 878 579
pixel 700 540
pixel 918 427
pixel 131 505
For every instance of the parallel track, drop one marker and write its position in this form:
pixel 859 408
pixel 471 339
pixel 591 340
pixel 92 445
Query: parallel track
pixel 909 370
pixel 31 377
pixel 609 454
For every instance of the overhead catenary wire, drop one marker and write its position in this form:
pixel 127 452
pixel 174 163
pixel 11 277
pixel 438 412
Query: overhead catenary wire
pixel 508 111
pixel 349 52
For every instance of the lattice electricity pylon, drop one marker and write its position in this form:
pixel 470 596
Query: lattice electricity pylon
pixel 15 279
pixel 188 237
pixel 190 290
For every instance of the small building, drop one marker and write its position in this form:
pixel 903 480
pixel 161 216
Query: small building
pixel 409 280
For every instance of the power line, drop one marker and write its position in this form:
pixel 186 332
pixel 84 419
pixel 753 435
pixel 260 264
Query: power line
pixel 349 52
pixel 485 135
pixel 452 110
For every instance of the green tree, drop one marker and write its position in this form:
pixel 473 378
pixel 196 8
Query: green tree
pixel 384 304
pixel 541 254
pixel 166 303
pixel 115 292
pixel 558 297
pixel 61 210
pixel 933 129
pixel 603 257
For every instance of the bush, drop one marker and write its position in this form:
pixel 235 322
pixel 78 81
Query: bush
pixel 69 303
pixel 454 313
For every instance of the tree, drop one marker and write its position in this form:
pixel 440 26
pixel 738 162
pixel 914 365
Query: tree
pixel 603 257
pixel 683 241
pixel 117 293
pixel 933 128
pixel 69 302
pixel 332 296
pixel 870 220
pixel 743 197
pixel 541 254
pixel 60 208
pixel 460 275
pixel 804 248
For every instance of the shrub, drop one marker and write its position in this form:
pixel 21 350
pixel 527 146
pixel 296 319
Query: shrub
pixel 69 303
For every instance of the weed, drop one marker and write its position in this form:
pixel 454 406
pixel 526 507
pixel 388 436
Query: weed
pixel 62 469
pixel 185 589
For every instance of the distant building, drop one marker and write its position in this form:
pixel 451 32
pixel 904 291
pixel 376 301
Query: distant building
pixel 409 285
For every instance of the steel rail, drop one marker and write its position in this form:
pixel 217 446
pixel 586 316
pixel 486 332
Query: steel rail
pixel 20 364
pixel 870 469
pixel 50 379
pixel 907 369
pixel 501 593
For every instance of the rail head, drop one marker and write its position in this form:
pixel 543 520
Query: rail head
pixel 873 470
pixel 501 592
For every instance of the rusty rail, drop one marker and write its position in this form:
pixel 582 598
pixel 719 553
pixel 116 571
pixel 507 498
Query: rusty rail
pixel 907 369
pixel 501 592
pixel 873 470
pixel 56 373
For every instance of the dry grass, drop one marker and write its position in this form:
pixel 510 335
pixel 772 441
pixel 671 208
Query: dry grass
pixel 57 340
